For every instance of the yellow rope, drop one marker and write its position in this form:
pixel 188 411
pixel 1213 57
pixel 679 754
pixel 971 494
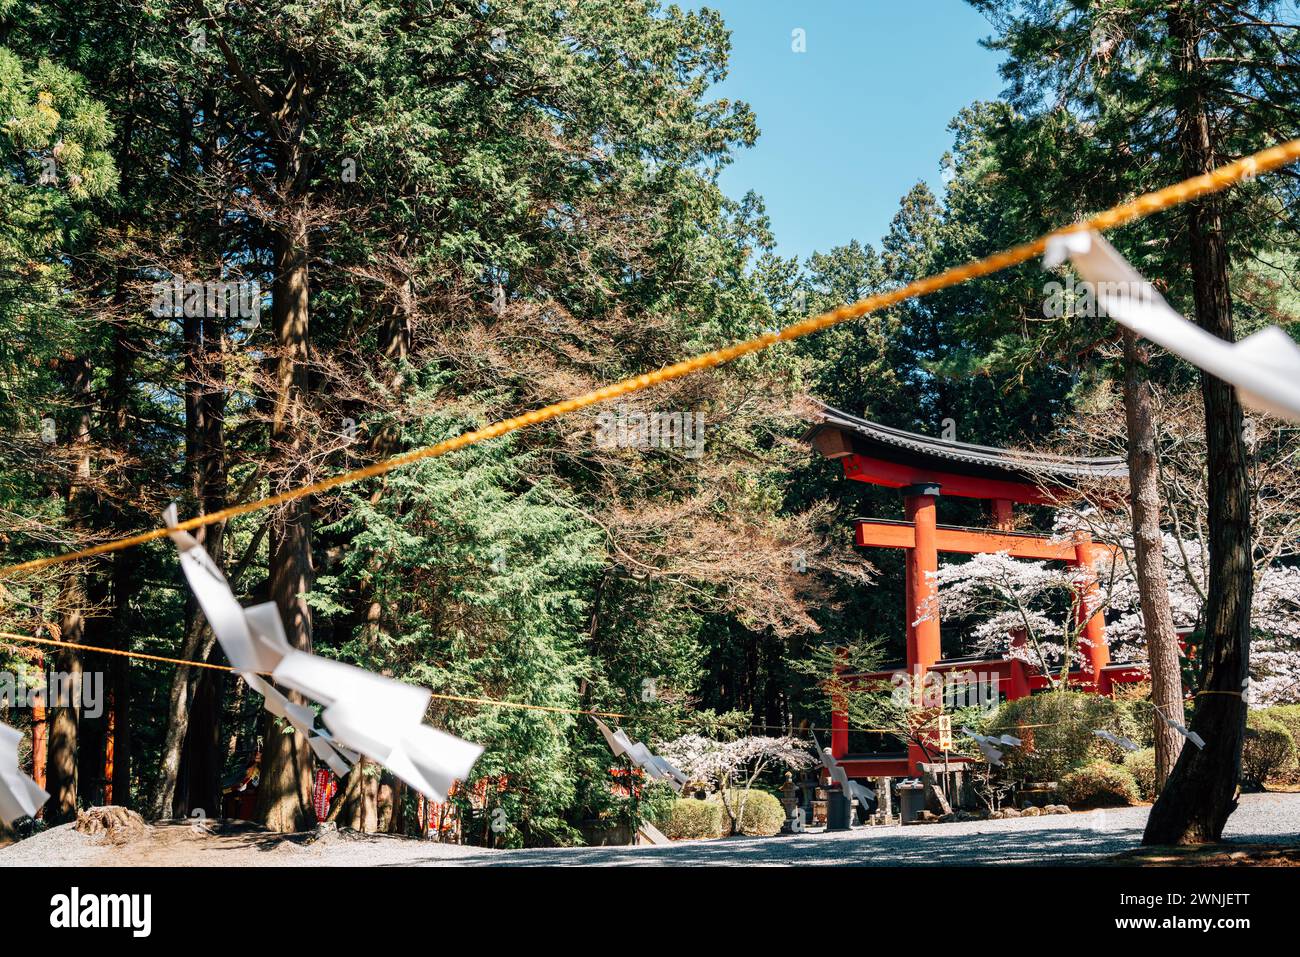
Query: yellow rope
pixel 10 636
pixel 466 699
pixel 1145 205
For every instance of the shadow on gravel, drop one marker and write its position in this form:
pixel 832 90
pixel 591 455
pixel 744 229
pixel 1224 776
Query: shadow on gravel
pixel 900 847
pixel 1082 839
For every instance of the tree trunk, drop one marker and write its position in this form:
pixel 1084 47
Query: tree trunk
pixel 92 738
pixel 284 792
pixel 109 593
pixel 199 783
pixel 1149 559
pixel 126 583
pixel 202 757
pixel 61 766
pixel 347 803
pixel 369 804
pixel 161 799
pixel 1201 792
pixel 117 682
pixel 178 720
pixel 119 677
pixel 397 822
pixel 354 805
pixel 205 458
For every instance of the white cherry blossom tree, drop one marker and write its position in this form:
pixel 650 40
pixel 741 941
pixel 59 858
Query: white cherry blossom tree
pixel 731 767
pixel 1029 610
pixel 1003 597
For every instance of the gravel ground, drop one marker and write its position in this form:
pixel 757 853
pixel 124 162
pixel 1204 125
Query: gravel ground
pixel 1058 839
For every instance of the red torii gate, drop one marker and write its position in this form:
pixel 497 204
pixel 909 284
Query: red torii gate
pixel 924 468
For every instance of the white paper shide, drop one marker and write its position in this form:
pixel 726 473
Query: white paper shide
pixel 363 713
pixel 850 788
pixel 1265 366
pixel 19 795
pixel 654 766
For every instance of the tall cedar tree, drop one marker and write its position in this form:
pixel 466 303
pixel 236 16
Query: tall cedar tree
pixel 1156 92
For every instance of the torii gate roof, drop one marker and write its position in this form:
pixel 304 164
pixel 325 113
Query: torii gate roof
pixel 836 434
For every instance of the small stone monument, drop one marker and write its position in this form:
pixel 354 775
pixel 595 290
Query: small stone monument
pixel 789 801
pixel 884 801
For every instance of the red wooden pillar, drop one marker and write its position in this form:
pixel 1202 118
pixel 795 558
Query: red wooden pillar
pixel 40 730
pixel 1018 679
pixel 839 733
pixel 839 718
pixel 923 560
pixel 909 610
pixel 110 745
pixel 923 643
pixel 1093 631
pixel 1002 517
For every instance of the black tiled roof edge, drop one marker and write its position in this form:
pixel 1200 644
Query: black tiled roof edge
pixel 986 456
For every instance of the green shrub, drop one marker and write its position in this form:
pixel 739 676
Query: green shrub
pixel 656 802
pixel 763 813
pixel 1269 750
pixel 1139 719
pixel 1287 715
pixel 1098 784
pixel 1142 765
pixel 1065 739
pixel 690 819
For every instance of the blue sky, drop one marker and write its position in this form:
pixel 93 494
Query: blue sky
pixel 850 125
